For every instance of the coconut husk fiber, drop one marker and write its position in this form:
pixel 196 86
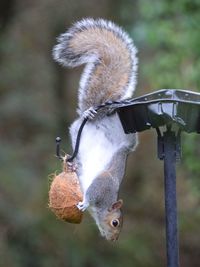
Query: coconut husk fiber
pixel 64 195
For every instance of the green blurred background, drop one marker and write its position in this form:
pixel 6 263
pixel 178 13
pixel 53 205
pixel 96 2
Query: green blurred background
pixel 38 101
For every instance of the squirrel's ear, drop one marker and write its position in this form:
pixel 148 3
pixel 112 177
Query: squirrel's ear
pixel 117 205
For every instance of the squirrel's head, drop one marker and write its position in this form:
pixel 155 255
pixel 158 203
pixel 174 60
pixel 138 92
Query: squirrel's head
pixel 110 224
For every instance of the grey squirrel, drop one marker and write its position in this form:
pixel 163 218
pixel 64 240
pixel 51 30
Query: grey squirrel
pixel 109 75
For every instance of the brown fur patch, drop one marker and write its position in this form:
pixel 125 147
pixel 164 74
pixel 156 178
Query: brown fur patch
pixel 111 73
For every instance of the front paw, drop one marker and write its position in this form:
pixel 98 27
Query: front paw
pixel 82 205
pixel 72 166
pixel 89 113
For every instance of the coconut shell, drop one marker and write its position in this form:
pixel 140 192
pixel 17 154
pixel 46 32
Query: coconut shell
pixel 64 195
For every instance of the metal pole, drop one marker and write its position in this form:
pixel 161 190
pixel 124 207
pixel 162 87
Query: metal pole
pixel 169 156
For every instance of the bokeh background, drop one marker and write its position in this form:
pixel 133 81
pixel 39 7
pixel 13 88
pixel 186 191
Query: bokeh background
pixel 38 101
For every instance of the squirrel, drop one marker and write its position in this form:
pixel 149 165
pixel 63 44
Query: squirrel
pixel 109 75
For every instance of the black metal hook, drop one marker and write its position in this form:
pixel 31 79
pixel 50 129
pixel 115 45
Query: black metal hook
pixel 58 141
pixel 78 138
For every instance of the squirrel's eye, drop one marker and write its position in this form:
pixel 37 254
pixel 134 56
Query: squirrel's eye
pixel 115 223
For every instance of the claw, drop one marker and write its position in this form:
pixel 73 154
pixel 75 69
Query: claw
pixel 82 205
pixel 89 113
pixel 72 166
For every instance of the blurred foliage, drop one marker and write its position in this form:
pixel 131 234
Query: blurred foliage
pixel 38 102
pixel 169 32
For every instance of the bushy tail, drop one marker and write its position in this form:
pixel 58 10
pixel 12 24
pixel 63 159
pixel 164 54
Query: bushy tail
pixel 110 73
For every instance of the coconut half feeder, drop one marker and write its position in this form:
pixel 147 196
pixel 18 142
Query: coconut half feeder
pixel 64 195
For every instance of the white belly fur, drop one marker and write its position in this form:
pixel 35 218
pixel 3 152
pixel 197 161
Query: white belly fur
pixel 96 149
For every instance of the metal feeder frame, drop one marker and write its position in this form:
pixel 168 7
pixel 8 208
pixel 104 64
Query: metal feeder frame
pixel 169 108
